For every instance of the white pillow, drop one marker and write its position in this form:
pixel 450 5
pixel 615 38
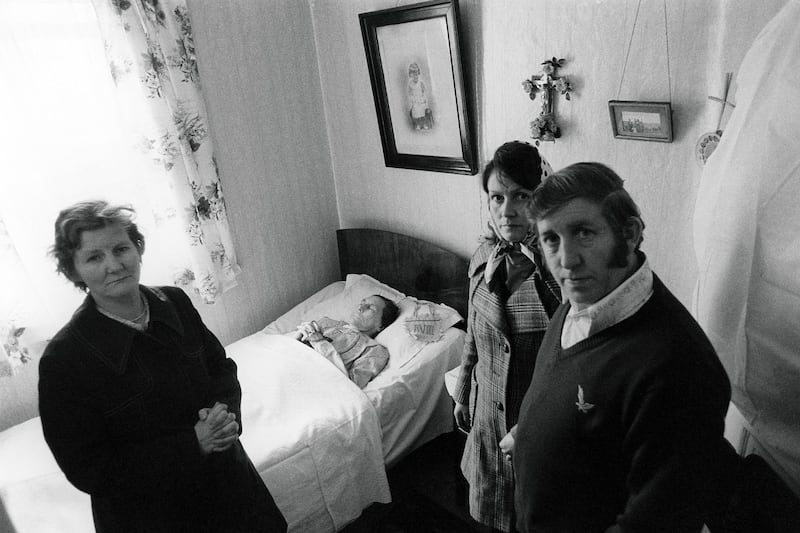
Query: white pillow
pixel 290 319
pixel 341 306
pixel 402 346
pixel 350 279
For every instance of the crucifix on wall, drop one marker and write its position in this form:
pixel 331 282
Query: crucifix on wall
pixel 708 141
pixel 544 127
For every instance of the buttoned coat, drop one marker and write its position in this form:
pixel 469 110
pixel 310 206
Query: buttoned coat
pixel 118 409
pixel 500 349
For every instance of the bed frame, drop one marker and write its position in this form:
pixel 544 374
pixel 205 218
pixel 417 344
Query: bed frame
pixel 410 265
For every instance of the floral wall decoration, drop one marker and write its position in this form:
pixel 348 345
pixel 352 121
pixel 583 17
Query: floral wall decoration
pixel 544 127
pixel 14 353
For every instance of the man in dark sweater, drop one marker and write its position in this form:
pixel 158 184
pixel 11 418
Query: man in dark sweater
pixel 622 426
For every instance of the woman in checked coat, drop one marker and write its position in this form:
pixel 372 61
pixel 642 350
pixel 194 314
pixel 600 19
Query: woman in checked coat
pixel 511 299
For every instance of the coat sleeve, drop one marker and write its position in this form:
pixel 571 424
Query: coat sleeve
pixel 469 357
pixel 76 432
pixel 222 371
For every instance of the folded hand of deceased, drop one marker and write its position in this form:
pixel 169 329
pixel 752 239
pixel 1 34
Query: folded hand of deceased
pixel 216 428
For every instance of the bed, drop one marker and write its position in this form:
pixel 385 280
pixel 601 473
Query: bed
pixel 321 444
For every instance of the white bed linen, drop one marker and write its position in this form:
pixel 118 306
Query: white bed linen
pixel 412 403
pixel 318 441
pixel 35 496
pixel 312 434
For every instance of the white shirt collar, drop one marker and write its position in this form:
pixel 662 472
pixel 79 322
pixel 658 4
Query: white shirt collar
pixel 615 307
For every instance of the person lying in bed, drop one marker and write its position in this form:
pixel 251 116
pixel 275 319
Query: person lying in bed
pixel 351 346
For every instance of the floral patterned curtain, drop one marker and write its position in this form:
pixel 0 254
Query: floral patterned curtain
pixel 150 52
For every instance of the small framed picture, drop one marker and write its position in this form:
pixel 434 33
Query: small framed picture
pixel 415 69
pixel 642 121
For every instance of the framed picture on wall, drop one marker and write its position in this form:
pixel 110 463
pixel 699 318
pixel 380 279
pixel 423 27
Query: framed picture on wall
pixel 417 82
pixel 643 121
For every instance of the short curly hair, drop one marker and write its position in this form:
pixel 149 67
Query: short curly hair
pixel 87 216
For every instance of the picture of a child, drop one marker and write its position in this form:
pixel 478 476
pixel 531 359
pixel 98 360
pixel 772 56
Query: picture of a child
pixel 419 108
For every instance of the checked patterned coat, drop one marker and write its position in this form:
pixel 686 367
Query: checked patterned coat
pixel 497 364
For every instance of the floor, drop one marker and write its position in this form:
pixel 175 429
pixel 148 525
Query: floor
pixel 429 494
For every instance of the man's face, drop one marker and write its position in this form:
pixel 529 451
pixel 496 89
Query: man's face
pixel 367 317
pixel 579 247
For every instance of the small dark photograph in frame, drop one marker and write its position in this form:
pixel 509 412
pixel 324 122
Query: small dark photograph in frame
pixel 415 69
pixel 642 121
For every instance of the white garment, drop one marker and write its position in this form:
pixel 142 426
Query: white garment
pixel 613 308
pixel 747 241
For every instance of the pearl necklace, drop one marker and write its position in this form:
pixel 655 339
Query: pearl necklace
pixel 141 315
pixel 140 322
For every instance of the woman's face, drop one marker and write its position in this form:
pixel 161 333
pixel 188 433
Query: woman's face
pixel 368 316
pixel 509 207
pixel 108 263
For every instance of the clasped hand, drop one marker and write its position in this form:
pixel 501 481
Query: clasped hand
pixel 310 331
pixel 216 429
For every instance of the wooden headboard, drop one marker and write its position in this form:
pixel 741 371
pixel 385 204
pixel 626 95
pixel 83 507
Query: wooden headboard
pixel 410 265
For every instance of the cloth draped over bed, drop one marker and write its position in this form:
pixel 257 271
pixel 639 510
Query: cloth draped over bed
pixel 312 434
pixel 321 444
pixel 336 461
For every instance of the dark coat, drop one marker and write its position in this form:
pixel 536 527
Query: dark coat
pixel 502 340
pixel 118 409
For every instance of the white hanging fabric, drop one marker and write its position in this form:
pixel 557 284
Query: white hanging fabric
pixel 747 241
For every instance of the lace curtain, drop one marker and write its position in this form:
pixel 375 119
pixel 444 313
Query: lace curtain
pixel 151 58
pixel 102 100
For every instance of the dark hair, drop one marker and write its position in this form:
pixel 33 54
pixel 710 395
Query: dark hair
pixel 517 161
pixel 87 216
pixel 390 311
pixel 594 182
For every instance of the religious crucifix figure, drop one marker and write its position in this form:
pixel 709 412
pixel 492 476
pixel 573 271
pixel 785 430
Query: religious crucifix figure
pixel 724 100
pixel 544 127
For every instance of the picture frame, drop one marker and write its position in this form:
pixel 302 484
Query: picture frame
pixel 414 61
pixel 641 121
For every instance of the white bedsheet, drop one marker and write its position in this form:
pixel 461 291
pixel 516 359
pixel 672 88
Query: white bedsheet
pixel 412 403
pixel 319 442
pixel 313 435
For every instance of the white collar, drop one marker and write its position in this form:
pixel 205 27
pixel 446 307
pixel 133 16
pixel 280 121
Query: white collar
pixel 613 308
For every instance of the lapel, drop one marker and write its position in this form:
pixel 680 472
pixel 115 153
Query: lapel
pixel 111 341
pixel 486 304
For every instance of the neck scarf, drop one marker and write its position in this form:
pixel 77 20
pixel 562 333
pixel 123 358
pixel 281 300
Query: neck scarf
pixel 513 262
pixel 509 263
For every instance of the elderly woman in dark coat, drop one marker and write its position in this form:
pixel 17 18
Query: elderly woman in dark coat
pixel 511 299
pixel 138 401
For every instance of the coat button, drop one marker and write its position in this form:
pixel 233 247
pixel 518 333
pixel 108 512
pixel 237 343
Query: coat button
pixel 500 406
pixel 506 348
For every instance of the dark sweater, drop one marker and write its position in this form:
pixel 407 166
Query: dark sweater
pixel 643 449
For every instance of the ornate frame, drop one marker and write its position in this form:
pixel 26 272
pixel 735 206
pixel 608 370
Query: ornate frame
pixel 424 121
